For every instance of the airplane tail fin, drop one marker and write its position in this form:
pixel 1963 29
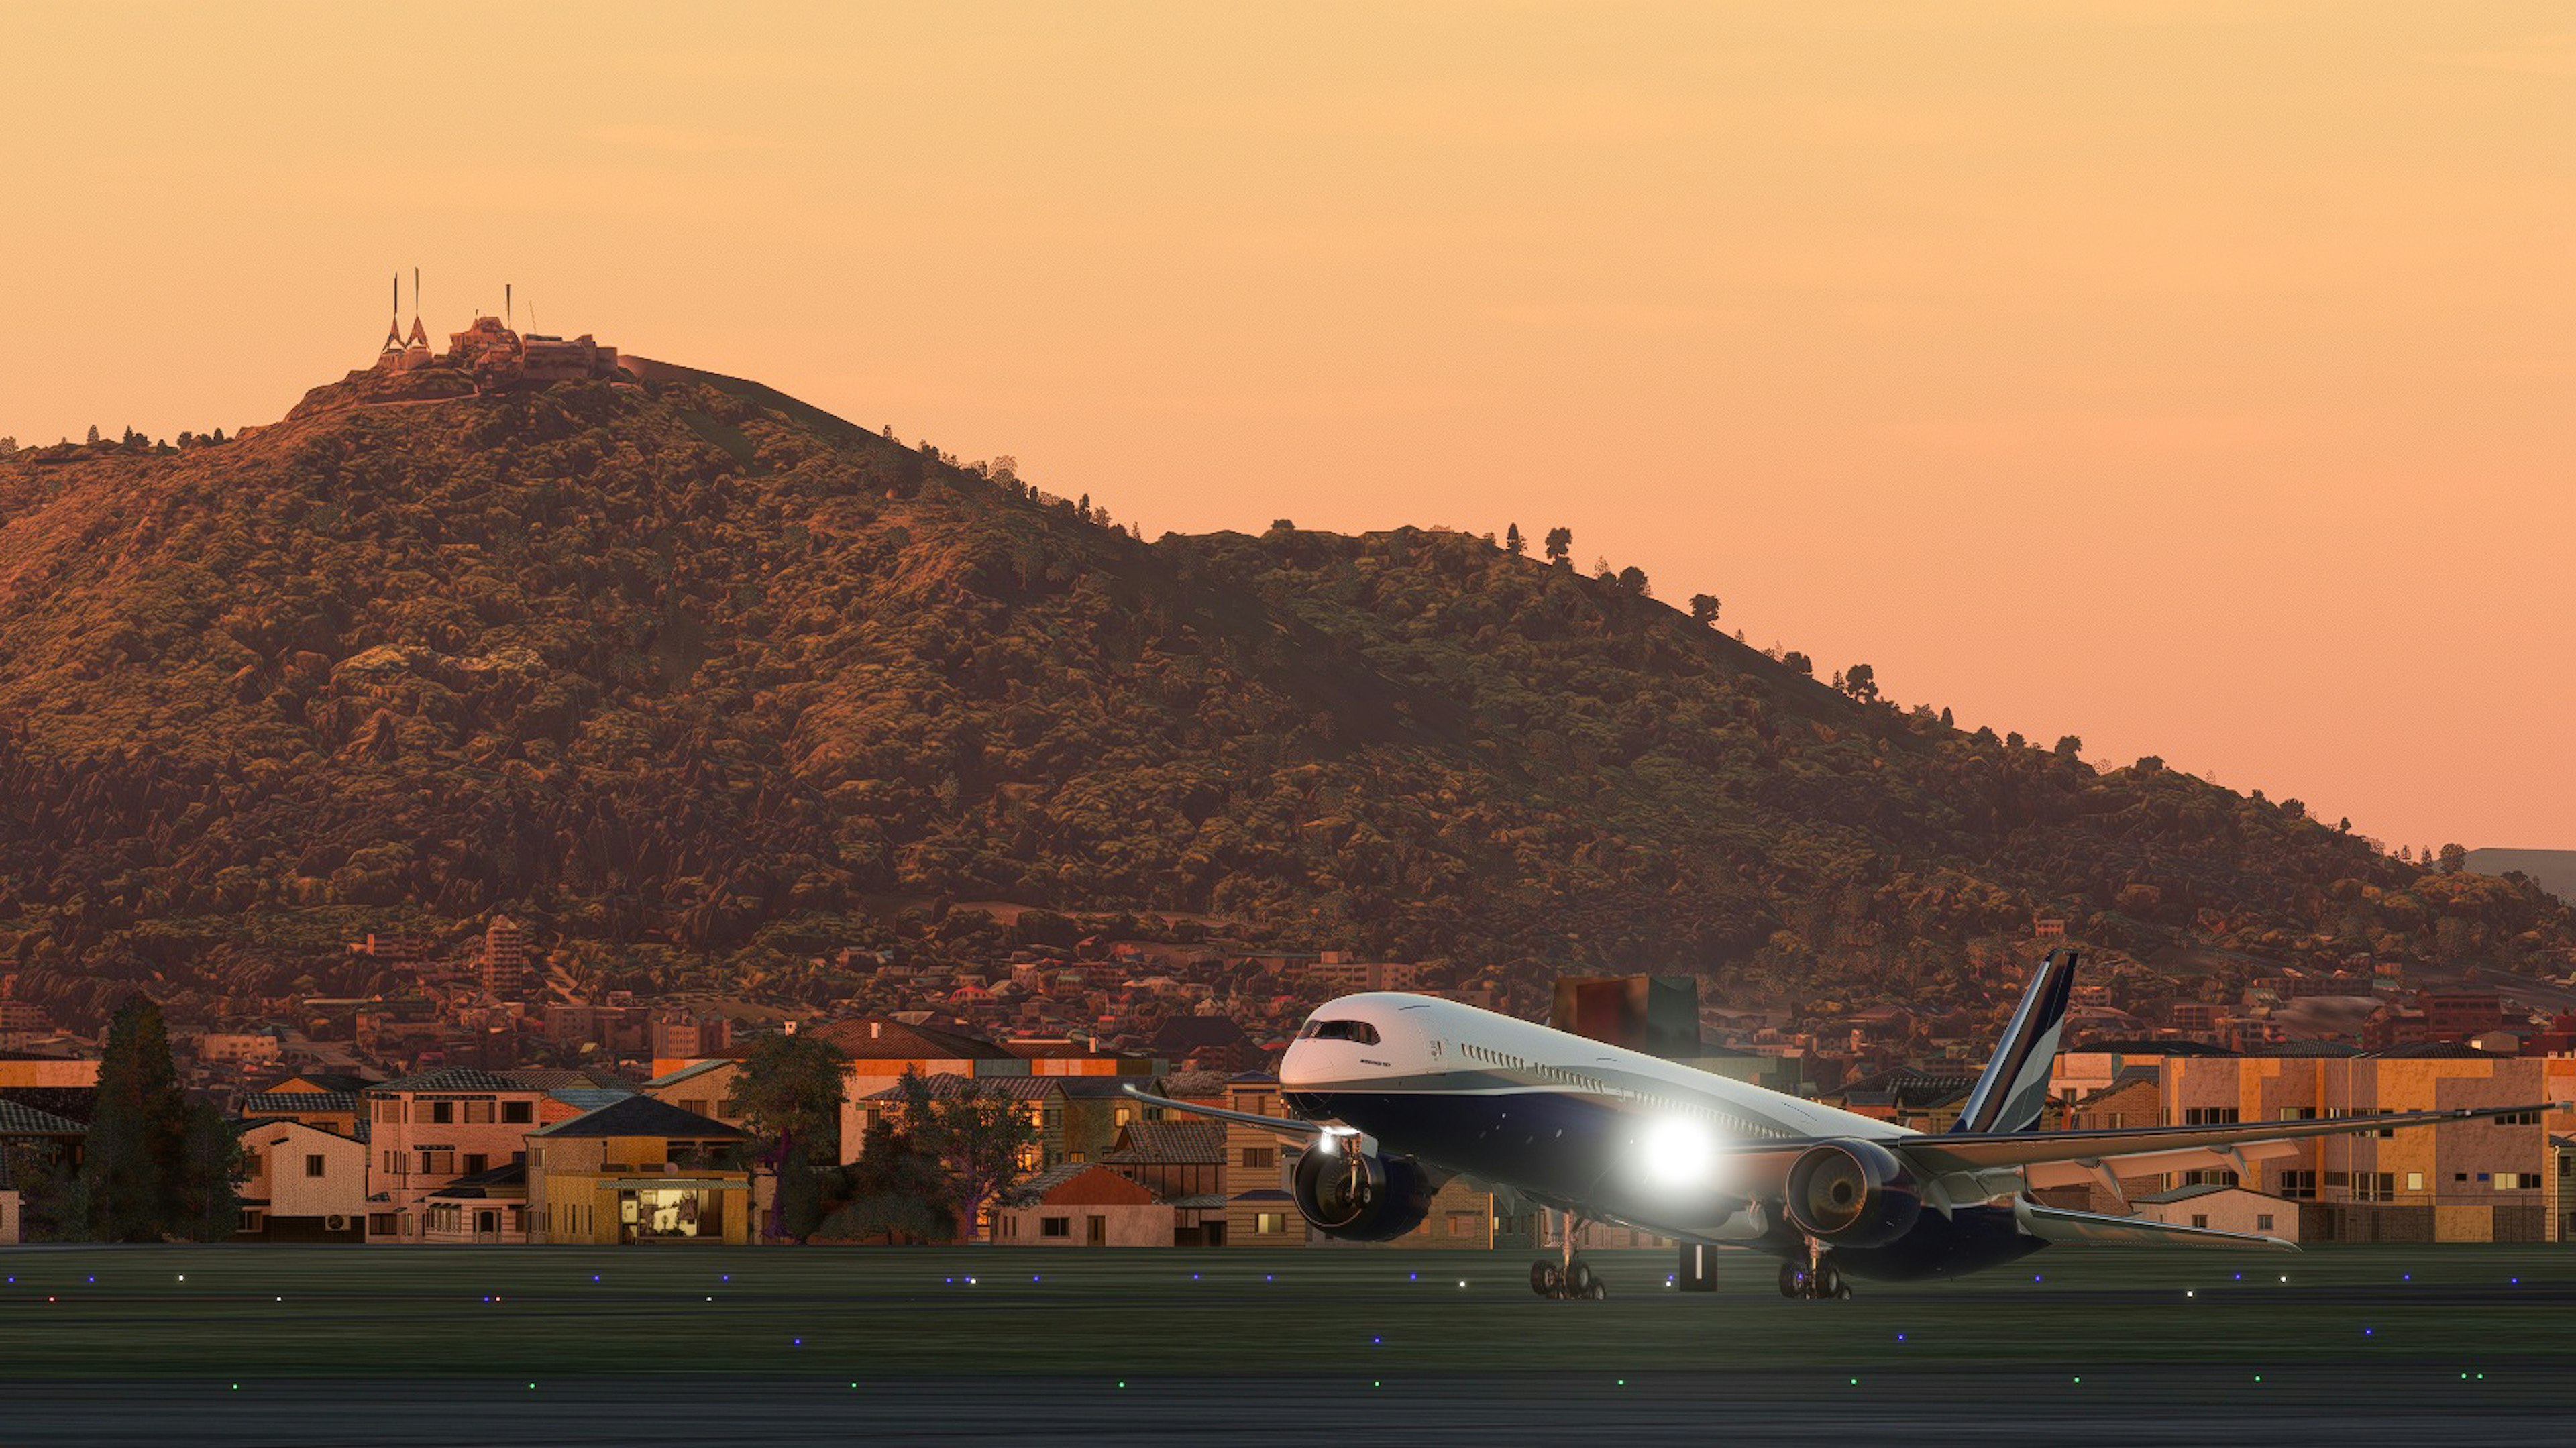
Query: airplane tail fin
pixel 2014 1089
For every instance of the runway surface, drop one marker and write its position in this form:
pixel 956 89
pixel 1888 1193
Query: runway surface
pixel 367 1346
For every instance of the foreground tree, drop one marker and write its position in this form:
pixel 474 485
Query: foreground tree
pixel 156 1167
pixel 791 1093
pixel 979 1135
pixel 1703 608
pixel 895 1192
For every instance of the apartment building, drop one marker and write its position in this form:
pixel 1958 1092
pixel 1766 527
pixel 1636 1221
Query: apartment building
pixel 441 1148
pixel 2465 1182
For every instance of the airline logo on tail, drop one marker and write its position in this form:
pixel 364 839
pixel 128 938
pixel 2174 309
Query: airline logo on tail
pixel 2014 1089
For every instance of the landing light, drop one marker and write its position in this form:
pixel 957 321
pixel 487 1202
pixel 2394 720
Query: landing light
pixel 1679 1153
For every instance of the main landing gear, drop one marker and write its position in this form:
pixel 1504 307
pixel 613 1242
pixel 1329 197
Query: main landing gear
pixel 1814 1279
pixel 1570 1278
pixel 1567 1283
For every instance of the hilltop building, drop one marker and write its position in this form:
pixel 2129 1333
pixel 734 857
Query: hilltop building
pixel 493 353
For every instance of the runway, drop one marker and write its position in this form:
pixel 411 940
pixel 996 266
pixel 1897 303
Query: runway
pixel 381 1346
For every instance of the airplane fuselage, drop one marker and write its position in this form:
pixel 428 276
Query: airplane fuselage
pixel 1608 1133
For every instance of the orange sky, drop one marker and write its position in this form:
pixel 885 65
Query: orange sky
pixel 2194 378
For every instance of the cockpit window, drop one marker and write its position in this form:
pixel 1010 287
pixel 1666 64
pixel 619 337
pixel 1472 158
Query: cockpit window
pixel 1360 1031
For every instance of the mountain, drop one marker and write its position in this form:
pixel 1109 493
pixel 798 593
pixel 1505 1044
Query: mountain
pixel 2552 870
pixel 700 679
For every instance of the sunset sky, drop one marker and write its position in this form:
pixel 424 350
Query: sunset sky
pixel 2199 379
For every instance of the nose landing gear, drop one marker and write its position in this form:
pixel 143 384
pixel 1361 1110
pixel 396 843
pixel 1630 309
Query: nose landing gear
pixel 1570 1279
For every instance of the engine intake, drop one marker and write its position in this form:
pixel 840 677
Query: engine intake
pixel 1361 1196
pixel 1852 1194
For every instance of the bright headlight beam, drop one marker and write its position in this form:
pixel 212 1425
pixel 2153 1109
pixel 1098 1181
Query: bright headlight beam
pixel 1677 1153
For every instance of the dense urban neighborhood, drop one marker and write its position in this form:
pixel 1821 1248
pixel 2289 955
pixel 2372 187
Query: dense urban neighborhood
pixel 494 1101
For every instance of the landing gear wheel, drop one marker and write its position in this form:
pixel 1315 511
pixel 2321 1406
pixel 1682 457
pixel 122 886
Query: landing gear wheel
pixel 1830 1283
pixel 1598 1291
pixel 1579 1282
pixel 1793 1280
pixel 1546 1278
pixel 1842 1292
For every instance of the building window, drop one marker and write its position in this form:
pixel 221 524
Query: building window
pixel 2369 1186
pixel 475 1161
pixel 2517 1181
pixel 1462 1224
pixel 518 1113
pixel 438 1161
pixel 1258 1158
pixel 2298 1113
pixel 1269 1224
pixel 2209 1116
pixel 2519 1118
pixel 2298 1184
pixel 442 1113
pixel 1055 1226
pixel 696 1105
pixel 2209 1179
pixel 2200 1219
pixel 2262 1221
pixel 313 1166
pixel 2414 1181
pixel 250 1219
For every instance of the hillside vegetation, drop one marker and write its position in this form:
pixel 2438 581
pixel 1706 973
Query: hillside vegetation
pixel 696 674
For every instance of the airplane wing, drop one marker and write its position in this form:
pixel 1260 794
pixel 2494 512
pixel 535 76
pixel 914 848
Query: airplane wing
pixel 1284 1125
pixel 2067 1158
pixel 2058 1224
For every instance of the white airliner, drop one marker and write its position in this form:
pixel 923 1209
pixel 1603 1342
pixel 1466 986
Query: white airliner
pixel 1396 1093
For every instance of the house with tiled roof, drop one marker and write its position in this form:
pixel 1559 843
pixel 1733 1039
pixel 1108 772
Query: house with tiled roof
pixel 640 1170
pixel 706 1088
pixel 1077 1118
pixel 1183 1164
pixel 1081 1204
pixel 2222 1208
pixel 882 1048
pixel 340 1112
pixel 305 1184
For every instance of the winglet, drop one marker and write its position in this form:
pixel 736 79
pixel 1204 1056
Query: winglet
pixel 2014 1089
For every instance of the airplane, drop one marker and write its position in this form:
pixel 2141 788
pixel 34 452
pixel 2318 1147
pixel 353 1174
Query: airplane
pixel 1394 1094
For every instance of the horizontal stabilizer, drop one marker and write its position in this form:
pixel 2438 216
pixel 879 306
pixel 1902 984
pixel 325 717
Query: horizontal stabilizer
pixel 1285 1126
pixel 2058 1224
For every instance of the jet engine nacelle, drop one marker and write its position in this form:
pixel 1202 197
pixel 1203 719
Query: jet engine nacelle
pixel 1359 1195
pixel 1852 1194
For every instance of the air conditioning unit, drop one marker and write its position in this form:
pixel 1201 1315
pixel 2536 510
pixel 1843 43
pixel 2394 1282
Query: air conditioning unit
pixel 336 1223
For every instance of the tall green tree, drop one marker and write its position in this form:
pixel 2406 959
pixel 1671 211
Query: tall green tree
pixel 1560 545
pixel 896 1191
pixel 980 1136
pixel 1513 540
pixel 1703 608
pixel 790 1094
pixel 155 1166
